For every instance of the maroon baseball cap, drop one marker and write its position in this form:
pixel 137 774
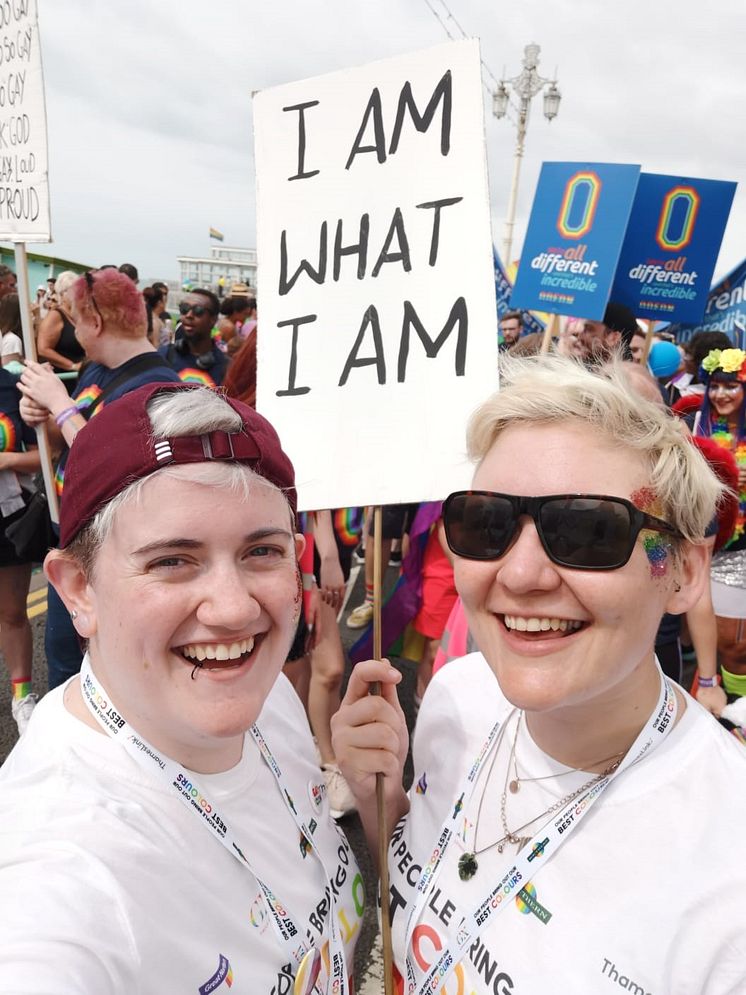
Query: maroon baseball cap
pixel 117 447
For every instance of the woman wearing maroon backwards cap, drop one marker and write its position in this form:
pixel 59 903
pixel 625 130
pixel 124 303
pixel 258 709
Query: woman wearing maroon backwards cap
pixel 169 828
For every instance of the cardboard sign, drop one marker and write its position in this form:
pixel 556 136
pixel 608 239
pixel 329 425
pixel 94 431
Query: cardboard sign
pixel 575 233
pixel 377 328
pixel 24 182
pixel 671 246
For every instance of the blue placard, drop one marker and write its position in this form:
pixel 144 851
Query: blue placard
pixel 503 290
pixel 574 237
pixel 725 310
pixel 671 246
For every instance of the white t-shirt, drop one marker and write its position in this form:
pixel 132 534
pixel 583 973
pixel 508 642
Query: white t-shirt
pixel 11 344
pixel 109 885
pixel 647 895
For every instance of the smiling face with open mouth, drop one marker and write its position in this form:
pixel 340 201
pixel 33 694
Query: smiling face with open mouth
pixel 555 636
pixel 194 600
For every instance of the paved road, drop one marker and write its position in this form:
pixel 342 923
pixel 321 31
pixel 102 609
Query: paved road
pixel 368 970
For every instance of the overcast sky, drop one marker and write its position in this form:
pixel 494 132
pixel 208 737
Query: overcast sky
pixel 149 106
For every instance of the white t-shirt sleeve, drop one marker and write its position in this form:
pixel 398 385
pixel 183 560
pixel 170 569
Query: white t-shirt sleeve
pixel 11 345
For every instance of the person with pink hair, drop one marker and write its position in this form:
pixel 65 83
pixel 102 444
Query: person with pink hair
pixel 110 321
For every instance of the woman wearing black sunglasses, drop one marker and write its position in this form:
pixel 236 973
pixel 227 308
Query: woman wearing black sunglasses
pixel 571 810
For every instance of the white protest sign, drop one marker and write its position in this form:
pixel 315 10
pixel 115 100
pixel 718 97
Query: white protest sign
pixel 377 322
pixel 24 182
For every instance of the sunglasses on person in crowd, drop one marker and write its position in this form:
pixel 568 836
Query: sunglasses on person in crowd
pixel 197 309
pixel 582 531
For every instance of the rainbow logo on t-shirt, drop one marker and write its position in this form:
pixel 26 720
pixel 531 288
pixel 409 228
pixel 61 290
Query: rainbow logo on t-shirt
pixel 190 375
pixel 7 435
pixel 87 396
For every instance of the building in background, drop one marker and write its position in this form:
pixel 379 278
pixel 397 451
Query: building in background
pixel 224 266
pixel 40 267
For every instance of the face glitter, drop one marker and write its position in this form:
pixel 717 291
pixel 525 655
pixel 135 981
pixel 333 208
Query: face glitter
pixel 298 600
pixel 657 546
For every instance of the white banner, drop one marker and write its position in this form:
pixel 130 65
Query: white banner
pixel 24 181
pixel 377 321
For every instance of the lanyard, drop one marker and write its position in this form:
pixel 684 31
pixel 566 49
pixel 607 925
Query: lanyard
pixel 189 792
pixel 545 842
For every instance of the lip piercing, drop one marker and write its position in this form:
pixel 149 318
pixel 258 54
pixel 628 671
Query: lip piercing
pixel 194 669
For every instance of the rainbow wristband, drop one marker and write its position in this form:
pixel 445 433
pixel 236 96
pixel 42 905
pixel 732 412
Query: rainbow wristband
pixel 62 417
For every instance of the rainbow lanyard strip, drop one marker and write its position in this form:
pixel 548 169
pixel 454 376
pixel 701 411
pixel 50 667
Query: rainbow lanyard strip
pixel 520 871
pixel 182 782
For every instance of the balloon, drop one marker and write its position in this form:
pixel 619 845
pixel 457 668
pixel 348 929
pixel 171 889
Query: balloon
pixel 664 359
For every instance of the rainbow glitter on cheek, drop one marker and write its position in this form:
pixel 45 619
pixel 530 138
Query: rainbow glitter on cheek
pixel 657 547
pixel 657 550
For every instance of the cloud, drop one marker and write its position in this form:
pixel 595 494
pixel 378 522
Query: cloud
pixel 149 105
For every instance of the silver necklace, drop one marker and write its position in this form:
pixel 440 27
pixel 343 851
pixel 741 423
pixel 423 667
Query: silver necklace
pixel 514 785
pixel 468 864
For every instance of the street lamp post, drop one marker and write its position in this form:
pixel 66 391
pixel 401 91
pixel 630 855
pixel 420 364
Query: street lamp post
pixel 524 86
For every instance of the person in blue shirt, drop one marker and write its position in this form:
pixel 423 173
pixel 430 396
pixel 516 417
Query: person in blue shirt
pixel 195 356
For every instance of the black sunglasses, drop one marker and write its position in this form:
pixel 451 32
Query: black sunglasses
pixel 582 531
pixel 197 309
pixel 89 283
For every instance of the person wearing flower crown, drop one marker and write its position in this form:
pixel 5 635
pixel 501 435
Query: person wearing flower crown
pixel 722 417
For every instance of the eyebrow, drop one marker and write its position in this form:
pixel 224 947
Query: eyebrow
pixel 184 543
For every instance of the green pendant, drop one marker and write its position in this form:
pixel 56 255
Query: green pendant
pixel 467 866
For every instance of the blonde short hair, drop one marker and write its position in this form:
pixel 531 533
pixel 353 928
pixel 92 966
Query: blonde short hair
pixel 543 390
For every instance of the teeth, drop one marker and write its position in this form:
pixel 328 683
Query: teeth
pixel 219 651
pixel 541 624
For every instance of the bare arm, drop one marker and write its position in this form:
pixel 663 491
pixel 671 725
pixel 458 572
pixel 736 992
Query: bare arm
pixel 704 635
pixel 331 576
pixel 27 462
pixel 50 329
pixel 45 397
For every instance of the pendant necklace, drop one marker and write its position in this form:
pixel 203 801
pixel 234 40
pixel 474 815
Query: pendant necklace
pixel 515 784
pixel 468 864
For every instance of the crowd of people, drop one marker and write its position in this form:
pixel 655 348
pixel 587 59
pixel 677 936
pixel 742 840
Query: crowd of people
pixel 545 609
